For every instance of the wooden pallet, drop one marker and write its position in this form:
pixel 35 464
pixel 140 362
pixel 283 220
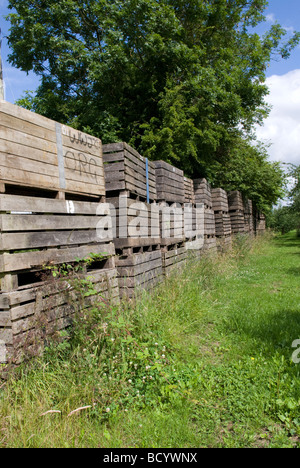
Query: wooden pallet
pixel 32 315
pixel 126 169
pixel 38 152
pixel 169 183
pixel 36 232
pixel 138 272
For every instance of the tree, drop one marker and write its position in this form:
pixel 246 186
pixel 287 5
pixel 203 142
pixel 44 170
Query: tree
pixel 294 195
pixel 282 219
pixel 179 81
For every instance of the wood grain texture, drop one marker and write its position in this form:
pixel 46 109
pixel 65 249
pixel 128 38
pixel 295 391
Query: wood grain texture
pixel 30 154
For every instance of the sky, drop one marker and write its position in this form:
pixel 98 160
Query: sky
pixel 281 129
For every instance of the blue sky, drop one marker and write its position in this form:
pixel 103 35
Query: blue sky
pixel 282 128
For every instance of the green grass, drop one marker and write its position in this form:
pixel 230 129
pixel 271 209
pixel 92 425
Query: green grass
pixel 205 361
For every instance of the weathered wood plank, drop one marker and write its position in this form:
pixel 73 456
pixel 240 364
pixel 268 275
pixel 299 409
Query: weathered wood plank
pixel 29 222
pixel 15 203
pixel 31 260
pixel 34 240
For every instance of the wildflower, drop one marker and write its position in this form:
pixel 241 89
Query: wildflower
pixel 130 381
pixel 163 356
pixel 107 410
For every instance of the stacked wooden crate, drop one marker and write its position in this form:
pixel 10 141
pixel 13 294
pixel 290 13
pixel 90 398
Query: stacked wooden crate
pixel 131 192
pixel 40 154
pixel 52 181
pixel 126 171
pixel 248 214
pixel 193 221
pixel 260 223
pixel 203 195
pixel 236 211
pixel 222 219
pixel 170 188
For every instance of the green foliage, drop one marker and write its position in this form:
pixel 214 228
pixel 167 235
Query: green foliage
pixel 282 219
pixel 180 81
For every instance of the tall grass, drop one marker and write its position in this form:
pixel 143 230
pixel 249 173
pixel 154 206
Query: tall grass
pixel 203 361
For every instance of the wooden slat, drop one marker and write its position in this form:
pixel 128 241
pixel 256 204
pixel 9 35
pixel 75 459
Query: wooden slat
pixel 14 203
pixel 33 260
pixel 19 222
pixel 34 240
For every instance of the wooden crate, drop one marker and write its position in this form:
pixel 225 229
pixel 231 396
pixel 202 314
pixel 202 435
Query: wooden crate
pixel 138 272
pixel 126 170
pixel 210 244
pixel 36 232
pixel 202 191
pixel 223 224
pixel 209 222
pixel 36 152
pixel 224 243
pixel 221 209
pixel 135 223
pixel 171 223
pixel 235 201
pixel 189 196
pixel 174 257
pixel 219 200
pixel 237 222
pixel 260 223
pixel 169 183
pixel 32 315
pixel 248 214
pixel 236 210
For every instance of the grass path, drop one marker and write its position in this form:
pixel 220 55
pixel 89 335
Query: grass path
pixel 206 361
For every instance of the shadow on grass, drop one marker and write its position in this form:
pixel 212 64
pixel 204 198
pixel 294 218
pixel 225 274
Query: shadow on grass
pixel 274 333
pixel 294 271
pixel 288 241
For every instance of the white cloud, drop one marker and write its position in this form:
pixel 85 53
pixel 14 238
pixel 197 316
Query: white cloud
pixel 282 127
pixel 271 18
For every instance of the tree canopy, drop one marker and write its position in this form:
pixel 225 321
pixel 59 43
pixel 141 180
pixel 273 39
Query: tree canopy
pixel 180 81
